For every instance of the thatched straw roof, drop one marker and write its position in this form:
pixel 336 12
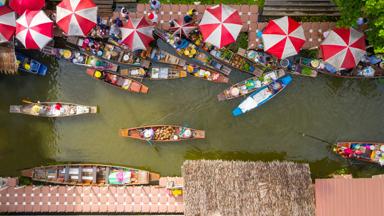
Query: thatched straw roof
pixel 231 188
pixel 7 60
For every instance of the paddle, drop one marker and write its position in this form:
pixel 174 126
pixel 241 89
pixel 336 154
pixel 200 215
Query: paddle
pixel 315 138
pixel 27 101
pixel 151 144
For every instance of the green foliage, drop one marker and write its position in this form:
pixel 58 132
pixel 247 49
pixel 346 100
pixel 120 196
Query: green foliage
pixel 306 53
pixel 208 1
pixel 373 10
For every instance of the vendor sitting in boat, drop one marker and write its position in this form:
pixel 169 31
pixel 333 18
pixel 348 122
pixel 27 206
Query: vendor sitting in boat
pixel 148 134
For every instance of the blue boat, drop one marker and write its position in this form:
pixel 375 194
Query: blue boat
pixel 262 95
pixel 29 65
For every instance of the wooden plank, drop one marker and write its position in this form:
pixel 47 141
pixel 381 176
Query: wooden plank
pixel 66 175
pixel 80 174
pixel 301 4
pixel 94 175
pixel 278 14
pixel 294 9
pixel 106 175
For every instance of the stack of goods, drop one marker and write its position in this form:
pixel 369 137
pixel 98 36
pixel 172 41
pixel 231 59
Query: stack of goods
pixel 166 133
pixel 238 62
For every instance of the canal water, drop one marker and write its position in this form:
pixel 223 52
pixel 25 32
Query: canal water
pixel 323 108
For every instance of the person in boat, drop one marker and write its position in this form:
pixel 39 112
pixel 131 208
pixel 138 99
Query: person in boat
pixel 155 5
pixel 276 86
pixel 124 13
pixel 153 17
pixel 148 134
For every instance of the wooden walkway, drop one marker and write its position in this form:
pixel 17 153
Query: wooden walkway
pixel 249 15
pixel 89 199
pixel 278 8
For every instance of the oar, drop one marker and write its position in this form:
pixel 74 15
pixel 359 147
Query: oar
pixel 26 101
pixel 315 138
pixel 151 144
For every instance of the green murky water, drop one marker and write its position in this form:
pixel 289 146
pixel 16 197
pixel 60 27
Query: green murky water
pixel 328 108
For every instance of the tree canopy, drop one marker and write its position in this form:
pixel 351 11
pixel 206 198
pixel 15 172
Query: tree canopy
pixel 373 10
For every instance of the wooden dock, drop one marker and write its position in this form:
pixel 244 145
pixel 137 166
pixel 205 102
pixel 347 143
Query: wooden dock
pixel 89 199
pixel 278 8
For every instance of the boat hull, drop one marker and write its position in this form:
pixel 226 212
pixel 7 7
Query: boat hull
pixel 138 133
pixel 50 109
pixel 371 152
pixel 118 81
pixel 91 174
pixel 250 103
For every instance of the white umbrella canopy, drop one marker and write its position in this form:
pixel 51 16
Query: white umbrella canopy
pixel 283 37
pixel 343 48
pixel 182 28
pixel 34 29
pixel 7 24
pixel 76 18
pixel 137 33
pixel 220 25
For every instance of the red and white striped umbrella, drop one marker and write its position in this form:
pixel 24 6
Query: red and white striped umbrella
pixel 76 17
pixel 182 28
pixel 137 33
pixel 20 6
pixel 343 48
pixel 34 29
pixel 283 37
pixel 220 25
pixel 7 24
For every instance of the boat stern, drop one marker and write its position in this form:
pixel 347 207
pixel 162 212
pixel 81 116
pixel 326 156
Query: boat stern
pixel 286 79
pixel 27 173
pixel 93 109
pixel 237 112
pixel 154 177
pixel 144 89
pixel 199 134
pixel 90 71
pixel 15 109
pixel 124 132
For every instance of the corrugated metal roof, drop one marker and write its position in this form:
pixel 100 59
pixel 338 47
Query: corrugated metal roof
pixel 339 197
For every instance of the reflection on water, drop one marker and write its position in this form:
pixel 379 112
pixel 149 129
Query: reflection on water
pixel 329 108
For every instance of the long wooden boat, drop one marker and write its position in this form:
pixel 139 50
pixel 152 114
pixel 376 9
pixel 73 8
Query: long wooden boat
pixel 91 174
pixel 250 85
pixel 80 58
pixel 364 70
pixel 52 109
pixel 162 133
pixel 263 59
pixel 262 95
pixel 29 65
pixel 189 50
pixel 118 81
pixel 371 152
pixel 111 52
pixel 301 66
pixel 159 55
pixel 233 59
pixel 206 74
pixel 155 73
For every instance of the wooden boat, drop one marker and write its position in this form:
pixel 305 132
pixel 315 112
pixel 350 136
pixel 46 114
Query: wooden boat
pixel 118 81
pixel 206 74
pixel 29 65
pixel 189 50
pixel 158 55
pixel 301 66
pixel 52 109
pixel 364 70
pixel 162 133
pixel 91 174
pixel 233 59
pixel 111 52
pixel 364 151
pixel 262 95
pixel 155 73
pixel 250 85
pixel 79 58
